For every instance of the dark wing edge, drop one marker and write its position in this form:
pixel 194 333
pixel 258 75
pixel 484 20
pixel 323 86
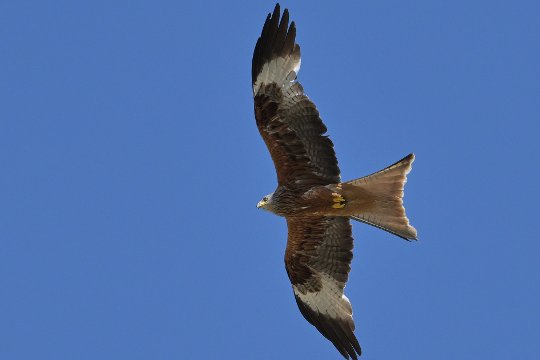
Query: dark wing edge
pixel 288 120
pixel 276 54
pixel 317 259
pixel 339 331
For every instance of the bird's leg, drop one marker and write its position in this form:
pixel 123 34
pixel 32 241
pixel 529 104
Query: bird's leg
pixel 339 201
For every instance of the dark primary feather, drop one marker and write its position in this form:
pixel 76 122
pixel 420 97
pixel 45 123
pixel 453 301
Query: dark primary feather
pixel 275 41
pixel 287 119
pixel 338 332
pixel 320 246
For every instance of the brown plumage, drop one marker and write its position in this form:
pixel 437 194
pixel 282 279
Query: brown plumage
pixel 310 194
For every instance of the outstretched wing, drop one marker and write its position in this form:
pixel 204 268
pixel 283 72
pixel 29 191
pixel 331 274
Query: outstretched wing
pixel 317 259
pixel 287 120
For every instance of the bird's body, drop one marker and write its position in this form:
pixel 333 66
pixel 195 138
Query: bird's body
pixel 300 201
pixel 317 205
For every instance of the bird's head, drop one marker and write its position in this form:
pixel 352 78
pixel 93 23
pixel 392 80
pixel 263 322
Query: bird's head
pixel 266 202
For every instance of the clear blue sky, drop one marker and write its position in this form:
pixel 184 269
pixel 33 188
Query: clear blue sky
pixel 131 167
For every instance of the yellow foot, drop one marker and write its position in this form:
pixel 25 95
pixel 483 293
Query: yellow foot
pixel 339 201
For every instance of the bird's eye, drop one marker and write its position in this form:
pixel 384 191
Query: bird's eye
pixel 265 198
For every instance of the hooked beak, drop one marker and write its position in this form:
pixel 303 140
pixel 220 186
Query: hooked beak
pixel 259 204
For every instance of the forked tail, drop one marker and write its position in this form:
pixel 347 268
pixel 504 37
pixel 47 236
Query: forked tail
pixel 377 199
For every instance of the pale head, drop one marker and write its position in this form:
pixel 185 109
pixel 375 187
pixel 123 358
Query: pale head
pixel 266 203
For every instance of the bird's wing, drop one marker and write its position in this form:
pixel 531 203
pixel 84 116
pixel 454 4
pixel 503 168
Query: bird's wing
pixel 317 259
pixel 287 120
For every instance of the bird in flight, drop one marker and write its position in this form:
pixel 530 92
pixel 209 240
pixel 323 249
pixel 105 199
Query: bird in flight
pixel 310 195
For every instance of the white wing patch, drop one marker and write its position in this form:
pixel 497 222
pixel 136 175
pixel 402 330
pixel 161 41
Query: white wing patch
pixel 329 301
pixel 281 71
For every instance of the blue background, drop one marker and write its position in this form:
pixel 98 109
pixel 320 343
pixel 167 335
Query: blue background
pixel 131 166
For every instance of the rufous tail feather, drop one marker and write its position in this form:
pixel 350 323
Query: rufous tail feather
pixel 377 199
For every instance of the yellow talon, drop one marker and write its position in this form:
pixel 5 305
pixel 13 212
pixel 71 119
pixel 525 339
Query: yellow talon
pixel 338 200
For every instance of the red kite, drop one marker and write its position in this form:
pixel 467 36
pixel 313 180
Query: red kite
pixel 310 195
